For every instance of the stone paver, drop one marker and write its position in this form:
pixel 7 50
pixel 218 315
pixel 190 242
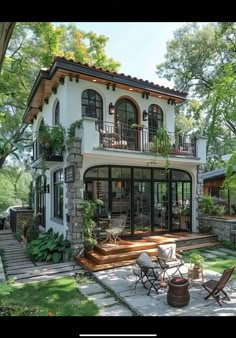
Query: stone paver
pixel 217 252
pixel 115 310
pixel 228 251
pixel 121 282
pixel 90 289
pixel 208 255
pixel 104 301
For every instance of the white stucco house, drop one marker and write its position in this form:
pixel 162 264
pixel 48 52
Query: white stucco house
pixel 114 155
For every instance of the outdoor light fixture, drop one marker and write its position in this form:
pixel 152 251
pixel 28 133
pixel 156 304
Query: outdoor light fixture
pixel 111 109
pixel 145 115
pixel 62 80
pixel 46 188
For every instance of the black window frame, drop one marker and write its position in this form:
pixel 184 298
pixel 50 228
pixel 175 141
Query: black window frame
pixel 92 104
pixel 58 192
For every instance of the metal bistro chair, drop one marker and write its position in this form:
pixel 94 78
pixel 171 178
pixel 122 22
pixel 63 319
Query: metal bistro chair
pixel 147 272
pixel 117 226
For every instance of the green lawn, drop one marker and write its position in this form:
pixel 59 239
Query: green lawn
pixel 58 297
pixel 218 264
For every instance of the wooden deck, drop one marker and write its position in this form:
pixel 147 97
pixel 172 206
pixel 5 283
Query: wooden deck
pixel 125 252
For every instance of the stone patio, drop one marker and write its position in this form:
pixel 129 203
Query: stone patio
pixel 120 281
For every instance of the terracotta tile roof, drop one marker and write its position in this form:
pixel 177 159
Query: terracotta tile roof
pixel 178 92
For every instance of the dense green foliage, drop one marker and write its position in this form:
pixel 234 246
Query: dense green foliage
pixel 49 247
pixel 201 59
pixel 14 186
pixel 32 46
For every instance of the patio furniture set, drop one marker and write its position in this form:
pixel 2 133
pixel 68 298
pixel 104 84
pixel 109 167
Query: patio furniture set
pixel 163 274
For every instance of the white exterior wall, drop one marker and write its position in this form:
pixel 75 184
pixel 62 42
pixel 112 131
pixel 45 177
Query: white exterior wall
pixel 69 96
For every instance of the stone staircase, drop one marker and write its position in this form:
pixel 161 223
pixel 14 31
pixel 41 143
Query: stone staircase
pixel 106 256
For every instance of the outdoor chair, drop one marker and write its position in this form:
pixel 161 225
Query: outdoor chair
pixel 169 260
pixel 147 272
pixel 117 226
pixel 214 287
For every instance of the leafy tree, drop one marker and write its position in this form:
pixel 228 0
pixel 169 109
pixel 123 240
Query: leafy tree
pixel 31 47
pixel 6 29
pixel 201 60
pixel 17 183
pixel 230 178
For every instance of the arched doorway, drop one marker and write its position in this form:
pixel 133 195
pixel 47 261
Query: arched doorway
pixel 126 117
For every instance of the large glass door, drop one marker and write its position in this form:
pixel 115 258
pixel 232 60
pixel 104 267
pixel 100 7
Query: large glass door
pixel 142 206
pixel 161 206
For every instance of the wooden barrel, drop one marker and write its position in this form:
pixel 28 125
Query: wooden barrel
pixel 178 294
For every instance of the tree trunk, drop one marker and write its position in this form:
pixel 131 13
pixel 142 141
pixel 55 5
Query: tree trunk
pixel 6 29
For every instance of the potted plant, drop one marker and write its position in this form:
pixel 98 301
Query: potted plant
pixel 197 260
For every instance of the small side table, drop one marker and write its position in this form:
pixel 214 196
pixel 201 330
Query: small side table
pixel 194 274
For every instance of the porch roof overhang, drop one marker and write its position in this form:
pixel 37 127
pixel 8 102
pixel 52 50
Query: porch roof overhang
pixel 49 79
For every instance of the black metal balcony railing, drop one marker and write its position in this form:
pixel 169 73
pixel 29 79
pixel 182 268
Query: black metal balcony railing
pixel 42 151
pixel 120 136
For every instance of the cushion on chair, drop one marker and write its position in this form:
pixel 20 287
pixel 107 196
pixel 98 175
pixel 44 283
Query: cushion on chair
pixel 167 252
pixel 145 260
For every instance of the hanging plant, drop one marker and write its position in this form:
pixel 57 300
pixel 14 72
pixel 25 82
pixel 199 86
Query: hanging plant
pixel 161 144
pixel 71 130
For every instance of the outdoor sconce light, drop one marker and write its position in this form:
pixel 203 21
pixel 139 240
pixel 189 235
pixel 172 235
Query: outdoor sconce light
pixel 111 109
pixel 46 188
pixel 145 115
pixel 62 80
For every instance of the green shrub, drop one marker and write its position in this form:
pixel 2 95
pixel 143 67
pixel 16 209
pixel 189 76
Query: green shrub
pixel 6 288
pixel 49 247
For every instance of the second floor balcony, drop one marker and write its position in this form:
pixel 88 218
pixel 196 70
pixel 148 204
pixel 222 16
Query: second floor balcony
pixel 43 152
pixel 137 138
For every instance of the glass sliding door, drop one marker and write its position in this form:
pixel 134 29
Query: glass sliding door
pixel 142 206
pixel 160 206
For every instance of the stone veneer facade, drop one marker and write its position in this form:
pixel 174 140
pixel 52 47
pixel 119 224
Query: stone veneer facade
pixel 74 218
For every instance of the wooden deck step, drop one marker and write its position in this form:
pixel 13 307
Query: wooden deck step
pixel 197 246
pixel 125 246
pixel 91 266
pixel 123 256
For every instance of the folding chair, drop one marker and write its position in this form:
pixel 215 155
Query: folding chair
pixel 214 287
pixel 169 260
pixel 147 273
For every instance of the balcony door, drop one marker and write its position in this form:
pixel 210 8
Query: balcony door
pixel 126 117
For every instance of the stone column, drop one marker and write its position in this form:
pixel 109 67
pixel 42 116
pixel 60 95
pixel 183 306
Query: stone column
pixel 74 219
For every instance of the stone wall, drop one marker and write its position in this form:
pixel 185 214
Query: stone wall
pixel 74 219
pixel 220 226
pixel 19 217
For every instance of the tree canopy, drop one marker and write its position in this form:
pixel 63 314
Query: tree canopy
pixel 201 59
pixel 31 47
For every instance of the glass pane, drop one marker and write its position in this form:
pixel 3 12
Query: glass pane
pixel 126 172
pixel 116 172
pixel 103 172
pixel 92 94
pixel 85 94
pixel 178 175
pixel 146 173
pixel 93 172
pixel 159 174
pixel 138 173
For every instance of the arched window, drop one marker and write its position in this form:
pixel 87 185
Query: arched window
pixel 58 180
pixel 57 114
pixel 92 105
pixel 155 119
pixel 126 112
pixel 126 116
